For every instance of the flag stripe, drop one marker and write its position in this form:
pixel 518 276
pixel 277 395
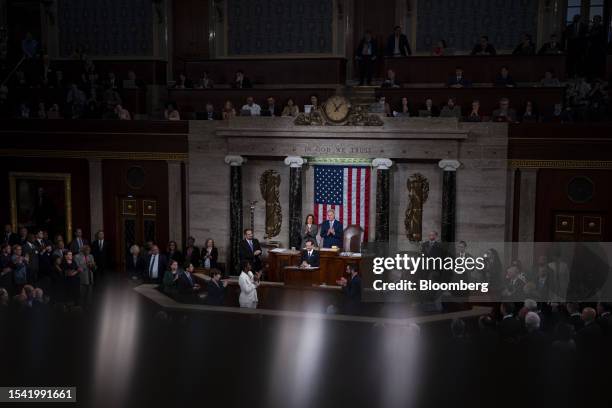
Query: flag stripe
pixel 367 205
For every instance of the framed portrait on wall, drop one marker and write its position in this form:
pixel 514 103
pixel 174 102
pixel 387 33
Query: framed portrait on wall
pixel 41 201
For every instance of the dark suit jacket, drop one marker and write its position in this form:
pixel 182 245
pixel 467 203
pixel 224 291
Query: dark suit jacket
pixel 265 111
pixel 404 46
pixel 216 294
pixel 162 265
pixel 589 338
pixel 74 245
pixel 194 258
pixel 246 253
pixel 489 49
pixel 352 290
pixel 510 329
pixel 11 239
pixel 312 260
pixel 373 46
pixel 432 249
pixel 176 256
pixel 576 321
pixel 452 80
pixel 204 115
pixel 101 256
pixel 137 268
pixel 331 240
pixel 246 83
pixel 184 283
pixel 214 255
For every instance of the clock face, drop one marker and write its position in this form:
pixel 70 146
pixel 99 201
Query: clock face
pixel 337 108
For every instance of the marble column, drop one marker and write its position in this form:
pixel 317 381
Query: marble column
pixel 449 199
pixel 96 206
pixel 235 203
pixel 295 164
pixel 175 203
pixel 382 198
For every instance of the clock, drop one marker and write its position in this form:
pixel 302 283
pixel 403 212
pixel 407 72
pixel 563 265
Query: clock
pixel 337 109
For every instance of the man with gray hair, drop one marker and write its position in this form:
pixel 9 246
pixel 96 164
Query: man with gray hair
pixel 532 322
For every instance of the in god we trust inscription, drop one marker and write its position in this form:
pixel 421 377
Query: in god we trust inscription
pixel 336 149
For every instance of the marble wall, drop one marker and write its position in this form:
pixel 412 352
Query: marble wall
pixel 481 180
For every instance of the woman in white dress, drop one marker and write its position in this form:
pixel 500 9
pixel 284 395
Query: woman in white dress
pixel 248 286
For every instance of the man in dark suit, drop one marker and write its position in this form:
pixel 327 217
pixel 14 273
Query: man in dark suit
pixel 458 80
pixel 605 318
pixel 271 109
pixel 101 251
pixel 510 326
pixel 483 47
pixel 186 282
pixel 78 242
pixel 574 318
pixel 250 250
pixel 216 289
pixel 241 81
pixel 397 44
pixel 432 247
pixel 331 231
pixel 590 337
pixel 156 265
pixel 9 237
pixel 310 257
pixel 209 113
pixel 22 238
pixel 366 55
pixel 352 290
pixel 553 47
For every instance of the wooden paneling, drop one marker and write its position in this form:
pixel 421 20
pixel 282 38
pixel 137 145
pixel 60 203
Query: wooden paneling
pixel 271 70
pixel 190 28
pixel 190 100
pixel 115 186
pixel 95 135
pixel 78 170
pixel 553 200
pixel 560 141
pixel 544 98
pixel 478 69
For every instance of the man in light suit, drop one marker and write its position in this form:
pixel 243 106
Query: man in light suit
pixel 310 257
pixel 156 265
pixel 331 231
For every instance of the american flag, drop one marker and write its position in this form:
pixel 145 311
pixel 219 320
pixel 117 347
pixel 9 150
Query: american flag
pixel 346 190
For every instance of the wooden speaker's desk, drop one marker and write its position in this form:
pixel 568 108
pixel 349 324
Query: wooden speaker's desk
pixel 332 266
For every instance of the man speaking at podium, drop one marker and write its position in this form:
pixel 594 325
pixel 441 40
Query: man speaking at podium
pixel 331 231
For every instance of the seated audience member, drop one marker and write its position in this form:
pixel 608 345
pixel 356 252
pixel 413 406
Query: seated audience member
pixel 450 109
pixel 397 44
pixel 504 78
pixel 390 81
pixel 183 82
pixel 271 109
pixel 529 114
pixel 314 104
pixel 440 49
pixel 192 252
pixel 209 113
pixel 366 55
pixel 248 282
pixel 54 112
pixel 382 106
pixel 250 250
pixel 241 81
pixel 559 114
pixel 483 47
pixel 216 289
pixel 171 277
pixel 134 81
pixel 205 81
pixel 525 47
pixel 290 109
pixel 428 110
pixel 351 288
pixel 171 112
pixel 209 255
pixel 549 79
pixel 403 110
pixel 504 113
pixel 553 47
pixel 250 108
pixel 331 231
pixel 309 230
pixel 122 113
pixel 228 110
pixel 310 257
pixel 458 80
pixel 186 281
pixel 135 264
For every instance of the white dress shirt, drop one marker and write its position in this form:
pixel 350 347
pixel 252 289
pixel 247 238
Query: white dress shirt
pixel 255 109
pixel 153 266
